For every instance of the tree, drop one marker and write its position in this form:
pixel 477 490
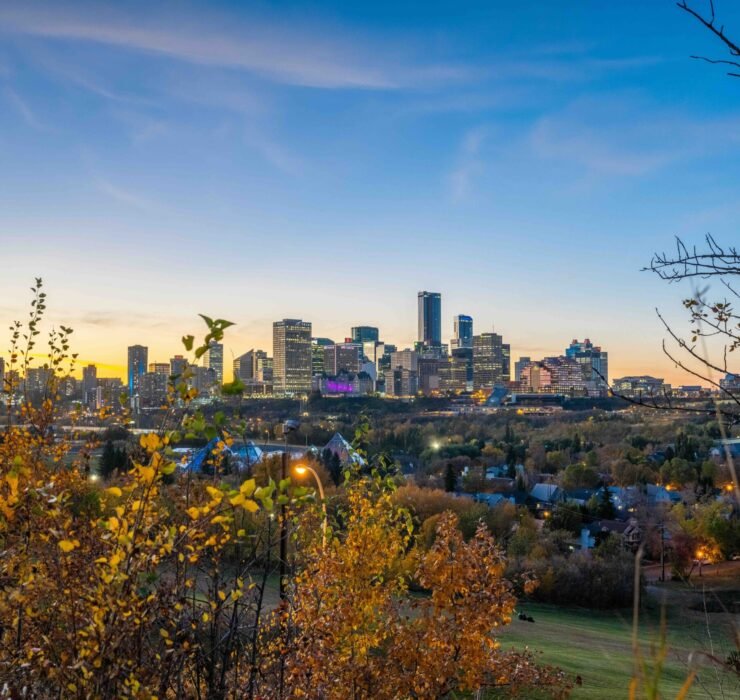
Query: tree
pixel 450 478
pixel 604 508
pixel 578 476
pixel 121 460
pixel 107 463
pixel 565 516
pixel 357 634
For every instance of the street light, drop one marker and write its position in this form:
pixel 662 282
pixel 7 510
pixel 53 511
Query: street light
pixel 301 469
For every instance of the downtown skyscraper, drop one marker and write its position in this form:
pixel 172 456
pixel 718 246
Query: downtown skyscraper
pixel 430 319
pixel 463 331
pixel 138 356
pixel 214 359
pixel 291 352
pixel 491 361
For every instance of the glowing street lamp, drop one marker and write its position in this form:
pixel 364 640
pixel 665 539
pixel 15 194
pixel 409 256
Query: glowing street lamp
pixel 301 469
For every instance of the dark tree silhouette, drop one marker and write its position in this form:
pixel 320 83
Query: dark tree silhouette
pixel 450 478
pixel 708 19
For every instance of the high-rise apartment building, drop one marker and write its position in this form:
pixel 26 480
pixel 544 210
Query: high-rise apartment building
pixel 365 334
pixel 214 359
pixel 291 343
pixel 162 368
pixel 491 361
pixel 593 360
pixel 2 375
pixel 138 356
pixel 430 318
pixel 463 331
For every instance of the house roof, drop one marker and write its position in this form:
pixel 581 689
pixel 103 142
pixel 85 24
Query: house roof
pixel 545 492
pixel 340 447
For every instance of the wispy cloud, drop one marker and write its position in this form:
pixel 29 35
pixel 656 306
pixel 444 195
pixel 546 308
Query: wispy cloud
pixel 469 164
pixel 123 196
pixel 273 152
pixel 626 137
pixel 116 318
pixel 24 110
pixel 275 52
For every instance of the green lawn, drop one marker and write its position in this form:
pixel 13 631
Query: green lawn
pixel 597 647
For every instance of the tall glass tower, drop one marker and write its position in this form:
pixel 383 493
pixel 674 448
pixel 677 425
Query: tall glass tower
pixel 463 329
pixel 137 365
pixel 214 359
pixel 430 318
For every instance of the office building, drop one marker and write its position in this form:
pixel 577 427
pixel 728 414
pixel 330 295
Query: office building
pixel 154 389
pixel 89 381
pixel 463 332
pixel 178 365
pixel 214 359
pixel 292 357
pixel 138 356
pixel 253 366
pixel 519 365
pixel 204 380
pixel 730 383
pixel 243 366
pixel 491 361
pixel 456 374
pixel 407 359
pixel 317 354
pixel 555 375
pixel 342 357
pixel 430 318
pixel 643 386
pixel 427 370
pixel 594 362
pixel 400 382
pixel 365 334
pixel 162 368
pixel 109 392
pixel 373 351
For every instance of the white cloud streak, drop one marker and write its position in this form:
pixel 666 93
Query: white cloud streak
pixel 277 53
pixel 24 110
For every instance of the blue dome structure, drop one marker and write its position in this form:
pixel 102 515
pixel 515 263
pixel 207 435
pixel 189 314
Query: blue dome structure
pixel 241 457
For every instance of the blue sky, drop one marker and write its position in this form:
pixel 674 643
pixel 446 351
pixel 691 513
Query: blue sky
pixel 327 160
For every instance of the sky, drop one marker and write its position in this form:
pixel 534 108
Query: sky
pixel 328 160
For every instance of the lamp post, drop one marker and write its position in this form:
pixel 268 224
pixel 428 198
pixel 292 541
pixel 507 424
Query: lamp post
pixel 301 469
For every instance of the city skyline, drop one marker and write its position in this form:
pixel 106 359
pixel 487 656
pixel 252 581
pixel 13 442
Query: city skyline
pixel 218 159
pixel 229 352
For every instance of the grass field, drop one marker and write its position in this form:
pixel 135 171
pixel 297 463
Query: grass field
pixel 597 646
